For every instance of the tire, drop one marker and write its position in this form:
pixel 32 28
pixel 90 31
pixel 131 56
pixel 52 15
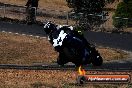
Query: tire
pixel 96 59
pixel 61 60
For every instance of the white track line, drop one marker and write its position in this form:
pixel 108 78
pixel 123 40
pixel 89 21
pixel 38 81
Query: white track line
pixel 24 34
pixel 17 33
pixel 37 36
pixel 10 32
pixel 43 37
pixel 3 31
pixel 31 35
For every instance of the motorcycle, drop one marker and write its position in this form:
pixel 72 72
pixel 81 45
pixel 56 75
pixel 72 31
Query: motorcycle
pixel 72 46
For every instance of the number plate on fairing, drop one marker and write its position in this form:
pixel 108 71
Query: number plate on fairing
pixel 59 40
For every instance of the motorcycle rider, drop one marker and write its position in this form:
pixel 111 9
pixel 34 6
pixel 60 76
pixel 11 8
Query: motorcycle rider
pixel 31 9
pixel 71 45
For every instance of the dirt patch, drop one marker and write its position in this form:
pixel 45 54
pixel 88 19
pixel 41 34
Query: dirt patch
pixel 110 54
pixel 128 30
pixel 17 49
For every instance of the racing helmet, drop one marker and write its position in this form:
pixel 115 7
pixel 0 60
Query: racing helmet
pixel 49 27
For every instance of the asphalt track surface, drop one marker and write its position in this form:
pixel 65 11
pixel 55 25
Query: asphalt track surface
pixel 114 40
pixel 121 41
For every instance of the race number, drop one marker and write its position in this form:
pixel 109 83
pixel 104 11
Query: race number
pixel 59 40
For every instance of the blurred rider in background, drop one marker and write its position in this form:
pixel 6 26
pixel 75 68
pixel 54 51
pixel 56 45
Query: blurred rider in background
pixel 31 9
